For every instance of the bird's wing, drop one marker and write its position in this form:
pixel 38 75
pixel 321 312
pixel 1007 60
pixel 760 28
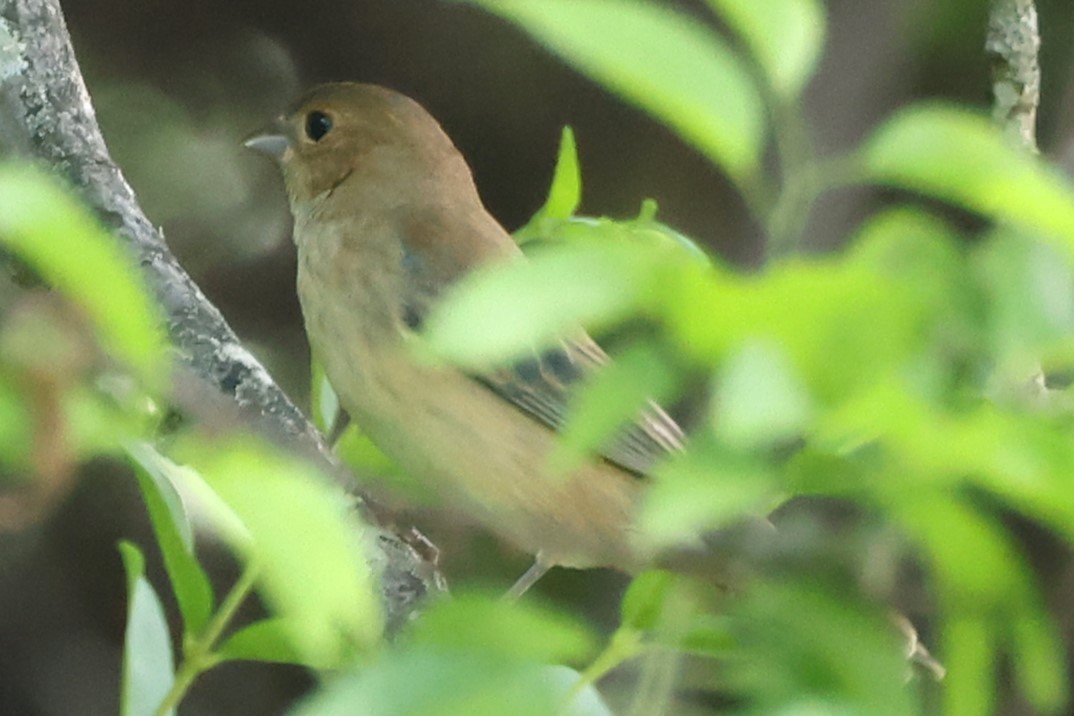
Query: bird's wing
pixel 540 386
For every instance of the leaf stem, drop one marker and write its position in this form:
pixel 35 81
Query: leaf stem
pixel 625 644
pixel 198 655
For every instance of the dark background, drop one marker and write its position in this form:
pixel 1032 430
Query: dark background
pixel 178 83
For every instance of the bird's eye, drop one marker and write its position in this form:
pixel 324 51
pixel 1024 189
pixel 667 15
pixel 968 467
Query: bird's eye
pixel 318 124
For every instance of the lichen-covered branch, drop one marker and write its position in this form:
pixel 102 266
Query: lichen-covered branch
pixel 46 113
pixel 1013 42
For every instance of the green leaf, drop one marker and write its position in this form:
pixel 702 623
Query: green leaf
pixel 988 595
pixel 805 308
pixel 427 680
pixel 148 666
pixel 645 599
pixel 670 66
pixel 565 193
pixel 505 311
pixel 814 648
pixel 302 534
pixel 488 624
pixel 45 227
pixel 171 525
pixel 970 651
pixel 1040 662
pixel 759 399
pixel 16 429
pixel 611 399
pixel 267 640
pixel 960 157
pixel 785 36
pixel 1030 300
pixel 704 490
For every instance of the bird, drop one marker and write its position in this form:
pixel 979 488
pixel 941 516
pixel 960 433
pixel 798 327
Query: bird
pixel 387 221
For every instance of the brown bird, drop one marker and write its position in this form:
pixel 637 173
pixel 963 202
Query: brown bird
pixel 387 220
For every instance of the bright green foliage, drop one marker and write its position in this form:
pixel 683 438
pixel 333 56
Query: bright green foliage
pixel 895 374
pixel 660 61
pixel 46 228
pixel 957 155
pixel 784 36
pixel 471 654
pixel 614 397
pixel 310 564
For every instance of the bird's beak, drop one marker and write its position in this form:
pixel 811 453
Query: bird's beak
pixel 271 141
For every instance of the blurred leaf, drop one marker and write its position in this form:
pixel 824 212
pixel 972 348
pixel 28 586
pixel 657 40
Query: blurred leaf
pixel 669 65
pixel 491 625
pixel 759 399
pixel 445 682
pixel 611 399
pixel 269 640
pixel 804 642
pixel 786 37
pixel 171 526
pixel 304 538
pixel 508 310
pixel 988 596
pixel 969 645
pixel 15 428
pixel 148 668
pixel 960 157
pixel 704 490
pixel 1040 662
pixel 644 600
pixel 1030 301
pixel 807 308
pixel 45 227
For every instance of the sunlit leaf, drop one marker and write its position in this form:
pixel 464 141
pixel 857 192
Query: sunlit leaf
pixel 505 311
pixel 703 491
pixel 1030 293
pixel 614 397
pixel 644 601
pixel 57 237
pixel 171 525
pixel 564 195
pixel 843 658
pixel 1040 662
pixel 488 624
pixel 148 666
pixel 269 640
pixel 988 597
pixel 669 65
pixel 443 682
pixel 302 536
pixel 961 157
pixel 785 36
pixel 759 399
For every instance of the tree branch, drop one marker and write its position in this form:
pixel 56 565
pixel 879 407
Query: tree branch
pixel 46 113
pixel 1014 42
